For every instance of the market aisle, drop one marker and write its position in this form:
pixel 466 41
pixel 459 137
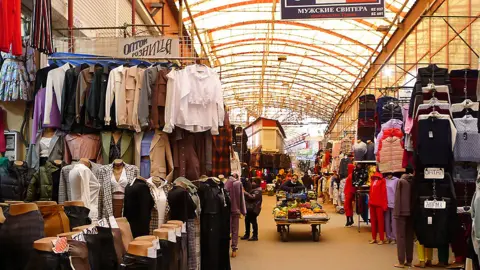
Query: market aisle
pixel 339 247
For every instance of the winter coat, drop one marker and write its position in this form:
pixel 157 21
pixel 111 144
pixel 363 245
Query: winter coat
pixel 390 155
pixel 14 182
pixel 41 185
pixel 254 201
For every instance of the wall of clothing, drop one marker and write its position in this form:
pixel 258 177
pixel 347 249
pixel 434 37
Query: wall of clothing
pixel 108 140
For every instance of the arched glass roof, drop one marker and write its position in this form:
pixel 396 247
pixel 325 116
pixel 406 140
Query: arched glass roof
pixel 324 58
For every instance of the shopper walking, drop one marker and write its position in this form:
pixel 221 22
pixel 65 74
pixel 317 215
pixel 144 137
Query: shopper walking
pixel 254 206
pixel 237 199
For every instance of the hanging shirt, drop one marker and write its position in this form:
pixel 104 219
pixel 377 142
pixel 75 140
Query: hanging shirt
pixel 44 146
pixel 467 144
pixel 55 81
pixel 118 187
pixel 146 144
pixel 85 187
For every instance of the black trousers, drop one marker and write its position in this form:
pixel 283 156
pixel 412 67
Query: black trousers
pixel 251 218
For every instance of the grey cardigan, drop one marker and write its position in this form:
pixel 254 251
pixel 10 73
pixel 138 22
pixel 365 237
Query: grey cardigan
pixel 54 152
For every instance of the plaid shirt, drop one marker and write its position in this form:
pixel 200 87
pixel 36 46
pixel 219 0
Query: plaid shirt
pixel 105 207
pixel 222 144
pixel 64 190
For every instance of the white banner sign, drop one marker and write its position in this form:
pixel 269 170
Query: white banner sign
pixel 435 204
pixel 434 173
pixel 155 47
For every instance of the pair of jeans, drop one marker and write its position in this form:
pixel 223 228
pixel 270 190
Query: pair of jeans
pixel 138 262
pixel 43 260
pixel 251 218
pixel 101 250
pixel 390 225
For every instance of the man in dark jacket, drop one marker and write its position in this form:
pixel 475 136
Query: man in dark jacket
pixel 307 181
pixel 253 202
pixel 293 185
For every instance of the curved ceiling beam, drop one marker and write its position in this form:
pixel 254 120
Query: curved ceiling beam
pixel 283 67
pixel 294 55
pixel 296 83
pixel 299 94
pixel 296 24
pixel 321 88
pixel 295 107
pixel 365 23
pixel 305 46
pixel 272 71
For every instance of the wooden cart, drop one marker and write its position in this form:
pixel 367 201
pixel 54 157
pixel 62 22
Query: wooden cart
pixel 283 227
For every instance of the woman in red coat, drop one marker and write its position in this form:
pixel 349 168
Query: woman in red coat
pixel 378 204
pixel 349 192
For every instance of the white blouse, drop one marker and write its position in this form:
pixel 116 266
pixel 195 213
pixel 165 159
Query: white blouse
pixel 85 187
pixel 119 186
pixel 45 146
pixel 159 198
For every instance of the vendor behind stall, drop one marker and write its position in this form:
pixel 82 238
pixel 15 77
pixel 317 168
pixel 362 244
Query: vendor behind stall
pixel 293 185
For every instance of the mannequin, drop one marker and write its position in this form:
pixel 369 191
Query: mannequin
pixel 404 223
pixel 390 224
pixel 23 217
pixel 84 186
pixel 163 261
pixel 2 217
pixel 378 205
pixel 81 228
pixel 139 248
pixel 118 185
pixel 47 144
pixel 359 150
pixel 175 222
pixel 370 155
pixel 234 187
pixel 18 163
pixel 44 244
pixel 86 162
pixel 161 233
pixel 13 202
pixel 67 235
pixel 148 238
pixel 125 230
pixel 45 203
pixel 74 203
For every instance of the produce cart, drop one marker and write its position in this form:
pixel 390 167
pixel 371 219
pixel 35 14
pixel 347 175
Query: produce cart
pixel 298 209
pixel 283 227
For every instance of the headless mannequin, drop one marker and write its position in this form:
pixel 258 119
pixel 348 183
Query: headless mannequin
pixel 139 248
pixel 44 244
pixel 148 238
pixel 161 233
pixel 86 162
pixel 13 202
pixel 74 203
pixel 18 163
pixel 118 196
pixel 22 208
pixel 175 222
pixel 45 203
pixel 2 217
pixel 68 235
pixel 169 226
pixel 81 228
pixel 48 132
pixel 117 168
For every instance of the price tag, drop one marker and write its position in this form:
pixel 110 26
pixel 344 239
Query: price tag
pixel 435 204
pixel 434 173
pixel 79 237
pixel 184 228
pixel 103 223
pixel 429 220
pixel 90 230
pixel 171 236
pixel 113 222
pixel 178 232
pixel 152 252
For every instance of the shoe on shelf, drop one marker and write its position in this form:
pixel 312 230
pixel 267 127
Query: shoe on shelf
pixel 456 265
pixel 254 238
pixel 245 237
pixel 372 241
pixel 420 264
pixel 397 265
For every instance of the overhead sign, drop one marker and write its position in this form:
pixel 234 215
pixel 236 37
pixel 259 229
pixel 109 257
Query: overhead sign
pixel 332 9
pixel 155 47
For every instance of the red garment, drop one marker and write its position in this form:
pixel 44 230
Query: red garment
pixel 377 221
pixel 378 192
pixel 3 146
pixel 349 192
pixel 349 188
pixel 349 204
pixel 10 26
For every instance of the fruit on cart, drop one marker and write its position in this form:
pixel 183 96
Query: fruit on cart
pixel 306 211
pixel 318 210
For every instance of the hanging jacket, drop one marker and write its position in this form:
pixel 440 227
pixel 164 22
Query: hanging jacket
pixel 390 155
pixel 41 185
pixel 14 182
pixel 55 151
pixel 126 147
pixel 378 192
pixel 391 111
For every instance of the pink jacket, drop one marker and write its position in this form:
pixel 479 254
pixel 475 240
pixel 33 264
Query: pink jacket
pixel 390 155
